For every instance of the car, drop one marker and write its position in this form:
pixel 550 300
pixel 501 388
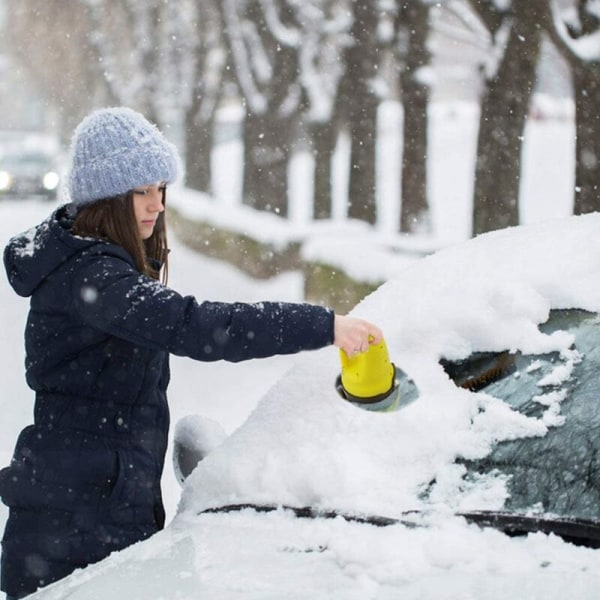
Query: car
pixel 482 483
pixel 27 173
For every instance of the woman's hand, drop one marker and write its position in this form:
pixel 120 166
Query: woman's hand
pixel 354 335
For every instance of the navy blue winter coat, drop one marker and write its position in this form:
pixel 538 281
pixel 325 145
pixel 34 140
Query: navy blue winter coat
pixel 85 477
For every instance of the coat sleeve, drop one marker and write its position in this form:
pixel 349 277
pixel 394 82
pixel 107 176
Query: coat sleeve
pixel 110 295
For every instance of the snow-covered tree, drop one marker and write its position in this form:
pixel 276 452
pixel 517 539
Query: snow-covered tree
pixel 510 78
pixel 59 59
pixel 308 72
pixel 575 29
pixel 357 104
pixel 262 41
pixel 165 59
pixel 413 61
pixel 139 45
pixel 88 53
pixel 205 79
pixel 325 27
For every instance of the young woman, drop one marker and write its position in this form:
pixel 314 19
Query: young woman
pixel 85 476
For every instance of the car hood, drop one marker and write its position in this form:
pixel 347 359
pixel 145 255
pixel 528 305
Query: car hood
pixel 268 556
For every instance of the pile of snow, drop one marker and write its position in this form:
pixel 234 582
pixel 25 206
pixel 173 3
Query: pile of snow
pixel 363 253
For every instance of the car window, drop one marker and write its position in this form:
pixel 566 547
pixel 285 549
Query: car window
pixel 558 473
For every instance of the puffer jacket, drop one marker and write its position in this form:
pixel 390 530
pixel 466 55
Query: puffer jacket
pixel 85 476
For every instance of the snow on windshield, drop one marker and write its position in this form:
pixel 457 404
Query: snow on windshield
pixel 304 446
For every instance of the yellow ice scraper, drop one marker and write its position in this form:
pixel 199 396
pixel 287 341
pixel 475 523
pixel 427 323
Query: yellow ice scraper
pixel 368 379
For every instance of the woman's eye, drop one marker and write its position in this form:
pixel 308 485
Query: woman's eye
pixel 140 192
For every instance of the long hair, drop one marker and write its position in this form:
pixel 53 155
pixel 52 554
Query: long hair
pixel 113 220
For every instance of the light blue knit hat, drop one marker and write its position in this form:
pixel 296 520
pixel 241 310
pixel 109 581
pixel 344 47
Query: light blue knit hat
pixel 115 150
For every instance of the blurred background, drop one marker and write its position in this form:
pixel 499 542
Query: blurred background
pixel 367 99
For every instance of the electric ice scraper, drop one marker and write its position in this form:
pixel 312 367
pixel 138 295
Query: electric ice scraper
pixel 371 381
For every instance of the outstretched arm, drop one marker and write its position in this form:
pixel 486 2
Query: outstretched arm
pixel 112 297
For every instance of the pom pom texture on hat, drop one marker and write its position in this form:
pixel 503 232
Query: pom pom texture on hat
pixel 115 150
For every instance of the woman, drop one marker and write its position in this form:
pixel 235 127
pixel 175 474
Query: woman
pixel 85 477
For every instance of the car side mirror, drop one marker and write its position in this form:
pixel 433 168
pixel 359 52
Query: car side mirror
pixel 195 437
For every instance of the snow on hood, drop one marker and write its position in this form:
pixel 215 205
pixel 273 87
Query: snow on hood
pixel 33 255
pixel 303 445
pixel 274 556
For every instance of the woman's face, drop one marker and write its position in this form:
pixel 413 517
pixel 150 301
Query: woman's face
pixel 147 205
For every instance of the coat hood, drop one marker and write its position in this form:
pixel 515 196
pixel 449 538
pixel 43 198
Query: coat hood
pixel 30 257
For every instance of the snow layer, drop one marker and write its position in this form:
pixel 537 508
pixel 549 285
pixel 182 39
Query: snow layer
pixel 237 556
pixel 303 446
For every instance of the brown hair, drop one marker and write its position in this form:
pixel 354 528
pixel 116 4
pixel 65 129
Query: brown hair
pixel 113 219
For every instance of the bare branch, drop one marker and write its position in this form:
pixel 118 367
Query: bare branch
pixel 583 48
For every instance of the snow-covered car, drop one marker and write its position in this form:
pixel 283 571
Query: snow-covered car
pixel 27 173
pixel 483 484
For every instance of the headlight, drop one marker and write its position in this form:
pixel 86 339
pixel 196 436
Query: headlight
pixel 50 180
pixel 5 181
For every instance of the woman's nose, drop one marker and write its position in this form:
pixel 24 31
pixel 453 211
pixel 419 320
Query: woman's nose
pixel 156 204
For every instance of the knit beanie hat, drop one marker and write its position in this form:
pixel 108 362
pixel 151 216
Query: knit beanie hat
pixel 115 150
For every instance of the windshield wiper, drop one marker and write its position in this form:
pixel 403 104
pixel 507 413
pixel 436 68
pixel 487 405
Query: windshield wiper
pixel 309 512
pixel 581 532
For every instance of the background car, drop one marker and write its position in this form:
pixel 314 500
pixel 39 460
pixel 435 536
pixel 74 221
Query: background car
pixel 27 173
pixel 483 484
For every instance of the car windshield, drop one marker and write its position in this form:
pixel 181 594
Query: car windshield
pixel 26 161
pixel 557 474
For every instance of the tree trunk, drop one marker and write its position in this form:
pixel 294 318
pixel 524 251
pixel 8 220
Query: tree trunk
pixel 586 84
pixel 502 122
pixel 414 215
pixel 208 81
pixel 266 158
pixel 358 103
pixel 323 137
pixel 268 131
pixel 267 139
pixel 362 184
pixel 198 146
pixel 586 77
